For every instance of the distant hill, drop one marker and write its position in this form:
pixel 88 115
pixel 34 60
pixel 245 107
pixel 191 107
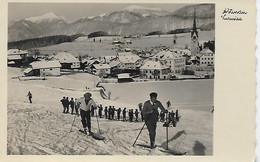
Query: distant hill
pixel 130 20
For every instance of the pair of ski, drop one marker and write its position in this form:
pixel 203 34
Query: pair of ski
pixel 96 136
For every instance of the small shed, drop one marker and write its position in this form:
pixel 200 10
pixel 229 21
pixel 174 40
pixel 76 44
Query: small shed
pixel 124 77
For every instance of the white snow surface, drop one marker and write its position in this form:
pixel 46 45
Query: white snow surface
pixel 48 17
pixel 133 8
pixel 41 128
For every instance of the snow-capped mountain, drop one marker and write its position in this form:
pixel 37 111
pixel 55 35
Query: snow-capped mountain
pixel 129 20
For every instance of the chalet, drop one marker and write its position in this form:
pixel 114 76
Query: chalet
pixel 206 57
pixel 130 60
pixel 101 69
pixel 171 59
pixel 154 69
pixel 67 60
pixel 43 68
pixel 17 56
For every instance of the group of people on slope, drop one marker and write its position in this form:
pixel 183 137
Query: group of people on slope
pixel 72 104
pixel 149 112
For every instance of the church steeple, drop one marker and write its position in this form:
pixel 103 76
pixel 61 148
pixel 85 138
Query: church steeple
pixel 194 28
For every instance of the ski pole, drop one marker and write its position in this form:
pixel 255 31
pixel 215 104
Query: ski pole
pixel 167 138
pixel 138 134
pixel 73 123
pixel 97 121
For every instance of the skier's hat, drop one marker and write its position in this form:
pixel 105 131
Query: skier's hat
pixel 87 94
pixel 153 94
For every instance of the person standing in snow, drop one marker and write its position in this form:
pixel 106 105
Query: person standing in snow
pixel 124 114
pixel 92 111
pixel 106 112
pixel 63 104
pixel 29 95
pixel 72 105
pixel 118 113
pixel 136 115
pixel 77 105
pixel 150 113
pixel 113 112
pixel 67 104
pixel 100 109
pixel 86 103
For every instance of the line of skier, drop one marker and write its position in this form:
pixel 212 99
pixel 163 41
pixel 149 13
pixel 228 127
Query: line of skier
pixel 111 113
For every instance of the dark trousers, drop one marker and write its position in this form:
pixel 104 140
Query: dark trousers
pixel 72 109
pixel 77 110
pixel 151 122
pixel 30 99
pixel 85 119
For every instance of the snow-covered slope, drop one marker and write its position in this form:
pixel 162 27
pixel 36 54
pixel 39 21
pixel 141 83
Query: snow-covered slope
pixel 41 128
pixel 49 17
pixel 146 11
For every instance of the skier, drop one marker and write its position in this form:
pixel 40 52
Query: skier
pixel 113 112
pixel 109 112
pixel 92 111
pixel 162 116
pixel 85 105
pixel 136 115
pixel 131 115
pixel 29 95
pixel 77 105
pixel 118 113
pixel 106 111
pixel 100 111
pixel 150 114
pixel 173 119
pixel 67 103
pixel 124 114
pixel 72 105
pixel 63 104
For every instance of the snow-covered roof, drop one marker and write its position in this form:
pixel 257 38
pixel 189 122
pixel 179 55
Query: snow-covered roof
pixel 101 66
pixel 128 57
pixel 164 55
pixel 153 65
pixel 27 70
pixel 108 58
pixel 16 52
pixel 114 63
pixel 45 64
pixel 14 57
pixel 65 57
pixel 124 75
pixel 206 51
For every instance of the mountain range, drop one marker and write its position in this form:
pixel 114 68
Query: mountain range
pixel 130 20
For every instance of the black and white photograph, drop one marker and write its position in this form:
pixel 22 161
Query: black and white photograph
pixel 110 79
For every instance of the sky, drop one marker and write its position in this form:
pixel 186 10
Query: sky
pixel 75 11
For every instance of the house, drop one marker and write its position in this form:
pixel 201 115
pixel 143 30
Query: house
pixel 18 56
pixel 115 65
pixel 108 59
pixel 101 69
pixel 154 69
pixel 43 68
pixel 67 60
pixel 125 77
pixel 129 60
pixel 171 59
pixel 206 57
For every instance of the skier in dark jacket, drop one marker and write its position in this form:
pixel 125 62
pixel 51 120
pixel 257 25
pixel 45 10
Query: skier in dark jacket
pixel 113 112
pixel 72 104
pixel 131 115
pixel 124 114
pixel 118 113
pixel 77 105
pixel 106 112
pixel 63 104
pixel 29 95
pixel 100 111
pixel 150 113
pixel 67 104
pixel 136 115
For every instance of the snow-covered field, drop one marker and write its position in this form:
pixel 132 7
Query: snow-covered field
pixel 41 128
pixel 83 46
